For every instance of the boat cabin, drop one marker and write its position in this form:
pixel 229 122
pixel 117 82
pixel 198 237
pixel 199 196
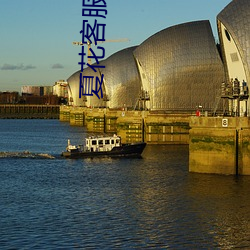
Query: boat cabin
pixel 104 143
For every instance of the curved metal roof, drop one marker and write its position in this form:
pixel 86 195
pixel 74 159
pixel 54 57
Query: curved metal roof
pixel 122 80
pixel 73 89
pixel 80 99
pixel 180 67
pixel 236 18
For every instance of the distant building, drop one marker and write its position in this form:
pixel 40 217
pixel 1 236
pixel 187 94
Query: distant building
pixel 9 97
pixel 37 90
pixel 30 90
pixel 47 90
pixel 39 95
pixel 60 89
pixel 41 100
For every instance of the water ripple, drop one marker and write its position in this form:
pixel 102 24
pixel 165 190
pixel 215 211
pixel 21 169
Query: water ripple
pixel 148 203
pixel 26 154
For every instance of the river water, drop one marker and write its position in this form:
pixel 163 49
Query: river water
pixel 149 203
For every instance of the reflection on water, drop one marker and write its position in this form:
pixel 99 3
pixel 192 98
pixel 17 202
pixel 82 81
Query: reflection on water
pixel 224 201
pixel 148 203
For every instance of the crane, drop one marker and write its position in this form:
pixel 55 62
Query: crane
pixel 106 41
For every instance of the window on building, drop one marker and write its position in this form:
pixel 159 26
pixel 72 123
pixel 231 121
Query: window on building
pixel 227 35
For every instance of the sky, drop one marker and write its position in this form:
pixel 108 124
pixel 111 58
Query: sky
pixel 36 35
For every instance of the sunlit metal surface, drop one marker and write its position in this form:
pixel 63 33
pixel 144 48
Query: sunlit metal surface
pixel 73 90
pixel 94 101
pixel 180 67
pixel 85 100
pixel 121 86
pixel 122 80
pixel 236 18
pixel 234 33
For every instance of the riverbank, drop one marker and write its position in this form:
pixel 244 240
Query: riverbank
pixel 24 111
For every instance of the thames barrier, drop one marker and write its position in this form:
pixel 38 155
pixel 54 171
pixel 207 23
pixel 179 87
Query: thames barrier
pixel 219 145
pixel 179 86
pixel 153 91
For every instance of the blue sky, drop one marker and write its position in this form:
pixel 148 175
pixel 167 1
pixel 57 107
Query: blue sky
pixel 36 35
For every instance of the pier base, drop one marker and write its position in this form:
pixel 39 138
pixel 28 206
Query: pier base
pixel 132 126
pixel 219 145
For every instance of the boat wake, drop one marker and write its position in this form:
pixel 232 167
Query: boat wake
pixel 26 154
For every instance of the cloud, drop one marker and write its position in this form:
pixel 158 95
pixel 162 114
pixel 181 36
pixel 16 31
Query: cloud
pixel 27 67
pixel 57 66
pixel 21 66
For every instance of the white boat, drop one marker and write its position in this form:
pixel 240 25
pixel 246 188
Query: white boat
pixel 103 146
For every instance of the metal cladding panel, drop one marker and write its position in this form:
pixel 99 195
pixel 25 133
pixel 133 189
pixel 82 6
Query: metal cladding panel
pixel 94 101
pixel 74 89
pixel 181 67
pixel 122 80
pixel 236 18
pixel 122 84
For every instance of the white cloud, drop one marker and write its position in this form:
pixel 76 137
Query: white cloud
pixel 21 66
pixel 57 66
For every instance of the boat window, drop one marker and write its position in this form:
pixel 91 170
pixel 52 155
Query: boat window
pixel 107 142
pixel 112 142
pixel 94 142
pixel 117 141
pixel 100 142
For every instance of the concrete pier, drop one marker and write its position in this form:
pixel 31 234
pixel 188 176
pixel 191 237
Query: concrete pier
pixel 132 126
pixel 219 145
pixel 64 114
pixel 167 129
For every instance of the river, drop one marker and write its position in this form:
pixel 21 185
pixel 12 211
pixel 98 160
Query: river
pixel 48 202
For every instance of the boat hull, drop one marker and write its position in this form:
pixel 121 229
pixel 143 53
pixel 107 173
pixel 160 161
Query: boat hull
pixel 126 150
